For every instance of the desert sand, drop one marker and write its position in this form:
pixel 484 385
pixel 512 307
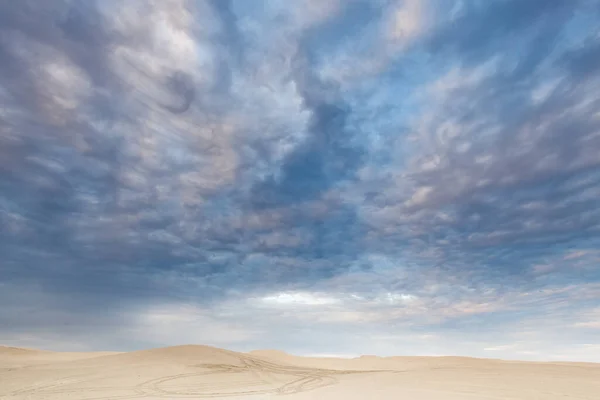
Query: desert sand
pixel 197 372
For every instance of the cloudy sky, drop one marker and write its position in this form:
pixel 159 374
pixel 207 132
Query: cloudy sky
pixel 335 177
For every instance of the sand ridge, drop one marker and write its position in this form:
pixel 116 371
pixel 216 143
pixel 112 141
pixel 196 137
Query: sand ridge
pixel 197 372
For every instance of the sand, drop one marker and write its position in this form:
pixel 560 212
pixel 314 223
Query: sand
pixel 198 372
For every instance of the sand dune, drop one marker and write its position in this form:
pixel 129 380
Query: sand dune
pixel 197 372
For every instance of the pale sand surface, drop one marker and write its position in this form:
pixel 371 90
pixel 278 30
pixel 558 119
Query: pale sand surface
pixel 197 372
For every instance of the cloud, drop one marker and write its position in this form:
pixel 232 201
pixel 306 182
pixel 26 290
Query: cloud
pixel 501 161
pixel 353 169
pixel 589 319
pixel 299 298
pixel 408 20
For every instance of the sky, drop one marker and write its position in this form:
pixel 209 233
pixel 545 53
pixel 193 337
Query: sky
pixel 344 177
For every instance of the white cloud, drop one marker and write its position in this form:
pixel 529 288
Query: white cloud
pixel 420 196
pixel 500 348
pixel 299 298
pixel 409 20
pixel 588 319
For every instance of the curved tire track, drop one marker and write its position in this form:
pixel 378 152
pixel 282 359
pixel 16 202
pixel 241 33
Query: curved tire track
pixel 275 379
pixel 253 376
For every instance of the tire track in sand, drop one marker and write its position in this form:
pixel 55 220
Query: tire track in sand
pixel 252 376
pixel 260 377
